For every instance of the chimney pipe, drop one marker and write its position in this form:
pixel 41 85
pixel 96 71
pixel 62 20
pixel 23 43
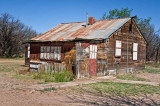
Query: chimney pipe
pixel 86 19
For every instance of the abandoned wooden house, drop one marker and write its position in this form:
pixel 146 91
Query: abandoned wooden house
pixel 89 48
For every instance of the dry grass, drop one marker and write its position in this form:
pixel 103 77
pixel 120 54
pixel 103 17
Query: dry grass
pixel 115 88
pixel 7 67
pixel 47 89
pixel 17 58
pixel 153 64
pixel 152 70
pixel 129 76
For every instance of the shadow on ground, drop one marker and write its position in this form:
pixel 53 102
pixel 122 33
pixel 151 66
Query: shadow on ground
pixel 115 100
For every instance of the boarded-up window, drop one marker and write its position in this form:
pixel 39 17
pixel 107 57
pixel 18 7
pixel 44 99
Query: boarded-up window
pixel 48 52
pixel 93 51
pixel 28 50
pixel 118 48
pixel 135 51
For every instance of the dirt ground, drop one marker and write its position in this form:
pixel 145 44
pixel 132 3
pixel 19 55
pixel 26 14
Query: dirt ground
pixel 12 93
pixel 149 76
pixel 11 61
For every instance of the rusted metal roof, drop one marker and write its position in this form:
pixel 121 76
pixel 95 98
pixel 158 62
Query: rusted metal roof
pixel 69 31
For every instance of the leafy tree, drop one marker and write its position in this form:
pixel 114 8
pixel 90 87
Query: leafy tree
pixel 116 13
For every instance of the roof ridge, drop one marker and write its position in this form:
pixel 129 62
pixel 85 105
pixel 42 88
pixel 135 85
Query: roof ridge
pixel 114 18
pixel 72 22
pixel 98 20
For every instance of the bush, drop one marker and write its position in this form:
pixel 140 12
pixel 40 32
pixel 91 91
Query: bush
pixel 62 76
pixel 47 89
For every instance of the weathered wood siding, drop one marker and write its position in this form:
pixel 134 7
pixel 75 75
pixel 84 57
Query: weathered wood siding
pixel 67 55
pixel 55 67
pixel 82 59
pixel 102 58
pixel 49 66
pixel 35 50
pixel 120 63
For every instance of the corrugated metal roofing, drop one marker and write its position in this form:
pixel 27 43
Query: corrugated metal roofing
pixel 69 31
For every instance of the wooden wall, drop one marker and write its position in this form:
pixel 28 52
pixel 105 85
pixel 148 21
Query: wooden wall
pixel 68 57
pixel 120 63
pixel 82 59
pixel 102 58
pixel 35 50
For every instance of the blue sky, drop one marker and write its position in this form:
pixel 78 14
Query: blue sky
pixel 43 15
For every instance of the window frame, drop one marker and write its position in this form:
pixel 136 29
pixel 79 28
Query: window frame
pixel 118 48
pixel 50 52
pixel 135 52
pixel 93 53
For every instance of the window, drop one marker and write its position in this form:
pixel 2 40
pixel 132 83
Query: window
pixel 57 53
pixel 52 52
pixel 93 51
pixel 135 51
pixel 118 48
pixel 130 27
pixel 43 52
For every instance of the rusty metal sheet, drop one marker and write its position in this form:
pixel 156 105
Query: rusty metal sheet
pixel 69 31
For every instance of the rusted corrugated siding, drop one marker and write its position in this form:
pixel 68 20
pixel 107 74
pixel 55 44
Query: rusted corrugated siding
pixel 69 31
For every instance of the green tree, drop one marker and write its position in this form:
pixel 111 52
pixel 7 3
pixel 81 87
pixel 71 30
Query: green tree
pixel 116 13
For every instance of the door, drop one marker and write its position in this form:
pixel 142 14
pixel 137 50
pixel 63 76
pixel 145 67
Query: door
pixel 93 60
